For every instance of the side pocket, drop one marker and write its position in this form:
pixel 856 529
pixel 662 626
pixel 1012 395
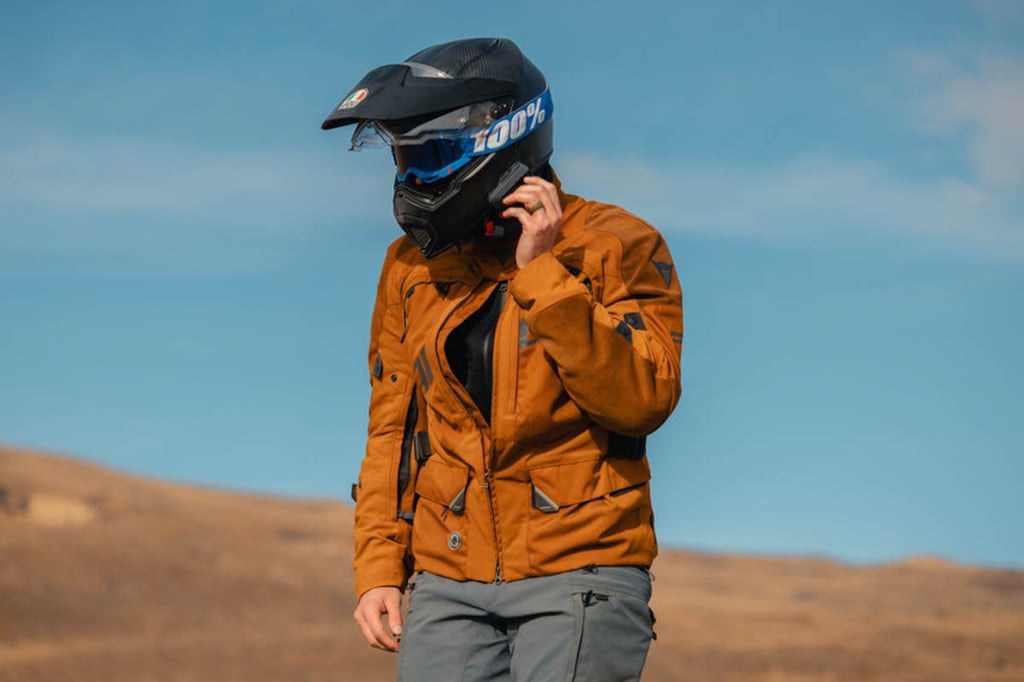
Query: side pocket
pixel 601 505
pixel 612 632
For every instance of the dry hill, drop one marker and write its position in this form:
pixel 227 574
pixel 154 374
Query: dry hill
pixel 106 577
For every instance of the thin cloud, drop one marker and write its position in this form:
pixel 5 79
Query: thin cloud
pixel 979 98
pixel 120 177
pixel 975 106
pixel 122 204
pixel 811 198
pixel 1002 11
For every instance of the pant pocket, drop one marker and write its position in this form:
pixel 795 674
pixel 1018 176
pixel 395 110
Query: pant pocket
pixel 613 632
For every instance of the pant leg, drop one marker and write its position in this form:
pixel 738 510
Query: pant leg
pixel 449 636
pixel 540 616
pixel 591 626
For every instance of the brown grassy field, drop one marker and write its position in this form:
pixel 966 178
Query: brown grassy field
pixel 107 577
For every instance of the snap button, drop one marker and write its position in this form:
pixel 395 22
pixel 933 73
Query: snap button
pixel 454 540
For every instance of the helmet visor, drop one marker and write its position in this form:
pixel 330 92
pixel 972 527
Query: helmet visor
pixel 433 149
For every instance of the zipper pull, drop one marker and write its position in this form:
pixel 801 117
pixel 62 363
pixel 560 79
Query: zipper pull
pixel 485 482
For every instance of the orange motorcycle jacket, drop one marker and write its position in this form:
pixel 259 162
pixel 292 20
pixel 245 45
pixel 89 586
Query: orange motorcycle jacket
pixel 551 475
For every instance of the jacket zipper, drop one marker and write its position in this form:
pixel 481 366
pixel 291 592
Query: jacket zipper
pixel 486 483
pixel 502 299
pixel 503 288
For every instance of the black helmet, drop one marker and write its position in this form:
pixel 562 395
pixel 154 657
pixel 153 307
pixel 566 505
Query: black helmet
pixel 466 120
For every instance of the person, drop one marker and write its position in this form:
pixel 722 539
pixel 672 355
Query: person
pixel 523 344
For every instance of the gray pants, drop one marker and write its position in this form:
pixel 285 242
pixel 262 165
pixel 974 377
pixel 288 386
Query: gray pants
pixel 591 625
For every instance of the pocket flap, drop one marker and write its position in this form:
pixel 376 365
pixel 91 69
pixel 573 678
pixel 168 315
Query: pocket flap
pixel 567 484
pixel 441 483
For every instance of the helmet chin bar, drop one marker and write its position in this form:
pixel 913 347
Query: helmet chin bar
pixel 437 221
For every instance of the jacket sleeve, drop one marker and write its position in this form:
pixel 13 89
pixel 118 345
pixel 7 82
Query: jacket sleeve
pixel 381 537
pixel 618 358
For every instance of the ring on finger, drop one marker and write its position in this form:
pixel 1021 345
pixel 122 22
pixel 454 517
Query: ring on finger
pixel 535 206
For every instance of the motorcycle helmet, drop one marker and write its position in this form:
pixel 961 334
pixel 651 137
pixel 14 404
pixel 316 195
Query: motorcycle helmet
pixel 465 121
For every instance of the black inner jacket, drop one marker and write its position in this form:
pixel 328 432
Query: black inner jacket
pixel 470 351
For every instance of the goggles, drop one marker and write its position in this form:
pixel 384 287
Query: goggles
pixel 432 150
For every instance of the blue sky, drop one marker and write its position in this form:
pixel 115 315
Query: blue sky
pixel 187 263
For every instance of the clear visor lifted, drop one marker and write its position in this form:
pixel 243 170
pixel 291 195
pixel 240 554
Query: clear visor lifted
pixel 434 149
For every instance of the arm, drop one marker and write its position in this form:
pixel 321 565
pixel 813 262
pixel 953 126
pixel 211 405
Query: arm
pixel 618 358
pixel 381 537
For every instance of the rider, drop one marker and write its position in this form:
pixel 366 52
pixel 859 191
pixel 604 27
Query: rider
pixel 523 344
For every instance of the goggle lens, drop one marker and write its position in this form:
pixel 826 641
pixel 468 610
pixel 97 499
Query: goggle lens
pixel 432 160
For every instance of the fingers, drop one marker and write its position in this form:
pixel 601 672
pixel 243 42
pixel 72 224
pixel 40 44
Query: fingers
pixel 373 631
pixel 549 193
pixel 517 212
pixel 393 604
pixel 535 195
pixel 371 607
pixel 536 206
